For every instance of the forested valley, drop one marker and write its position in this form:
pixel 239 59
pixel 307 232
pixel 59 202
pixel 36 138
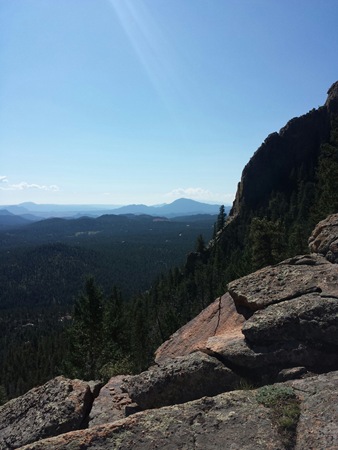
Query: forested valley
pixel 45 266
pixel 290 184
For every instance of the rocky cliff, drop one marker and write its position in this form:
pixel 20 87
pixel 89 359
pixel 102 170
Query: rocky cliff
pixel 295 147
pixel 258 369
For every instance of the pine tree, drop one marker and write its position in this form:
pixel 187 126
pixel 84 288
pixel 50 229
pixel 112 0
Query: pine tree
pixel 3 395
pixel 200 244
pixel 86 332
pixel 220 219
pixel 267 242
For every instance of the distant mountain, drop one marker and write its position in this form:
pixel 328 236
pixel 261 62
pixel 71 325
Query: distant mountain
pixel 180 207
pixel 9 220
pixel 45 211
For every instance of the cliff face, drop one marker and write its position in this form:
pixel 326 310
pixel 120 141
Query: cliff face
pixel 289 184
pixel 297 144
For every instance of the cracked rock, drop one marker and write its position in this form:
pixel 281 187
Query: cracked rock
pixel 221 318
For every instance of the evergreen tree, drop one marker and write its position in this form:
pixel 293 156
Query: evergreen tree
pixel 267 242
pixel 327 192
pixel 86 332
pixel 200 244
pixel 220 219
pixel 140 333
pixel 116 347
pixel 3 395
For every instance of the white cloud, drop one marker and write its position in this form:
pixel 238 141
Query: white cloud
pixel 200 194
pixel 5 185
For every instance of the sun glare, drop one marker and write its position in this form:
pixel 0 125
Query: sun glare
pixel 150 45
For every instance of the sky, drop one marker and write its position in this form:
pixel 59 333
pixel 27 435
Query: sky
pixel 146 101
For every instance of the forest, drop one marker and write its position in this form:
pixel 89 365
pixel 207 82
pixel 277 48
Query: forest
pixel 111 327
pixel 44 267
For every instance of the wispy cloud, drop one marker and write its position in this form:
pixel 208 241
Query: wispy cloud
pixel 200 194
pixel 5 185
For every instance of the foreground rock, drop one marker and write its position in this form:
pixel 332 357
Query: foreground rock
pixel 238 420
pixel 231 421
pixel 180 380
pixel 59 406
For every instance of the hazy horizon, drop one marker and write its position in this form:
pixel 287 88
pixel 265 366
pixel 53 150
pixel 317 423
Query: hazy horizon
pixel 108 205
pixel 147 101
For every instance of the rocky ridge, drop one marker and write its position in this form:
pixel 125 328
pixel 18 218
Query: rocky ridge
pixel 275 328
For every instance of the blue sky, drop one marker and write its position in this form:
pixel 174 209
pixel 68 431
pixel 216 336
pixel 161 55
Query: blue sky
pixel 145 101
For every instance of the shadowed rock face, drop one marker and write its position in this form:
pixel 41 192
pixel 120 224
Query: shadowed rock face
pixel 269 168
pixel 263 363
pixel 310 318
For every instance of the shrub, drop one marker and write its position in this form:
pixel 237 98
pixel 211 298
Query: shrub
pixel 285 410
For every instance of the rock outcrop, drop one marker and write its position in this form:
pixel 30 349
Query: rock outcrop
pixel 289 319
pixel 299 414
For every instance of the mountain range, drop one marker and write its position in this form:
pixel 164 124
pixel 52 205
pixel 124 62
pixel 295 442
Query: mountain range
pixel 24 213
